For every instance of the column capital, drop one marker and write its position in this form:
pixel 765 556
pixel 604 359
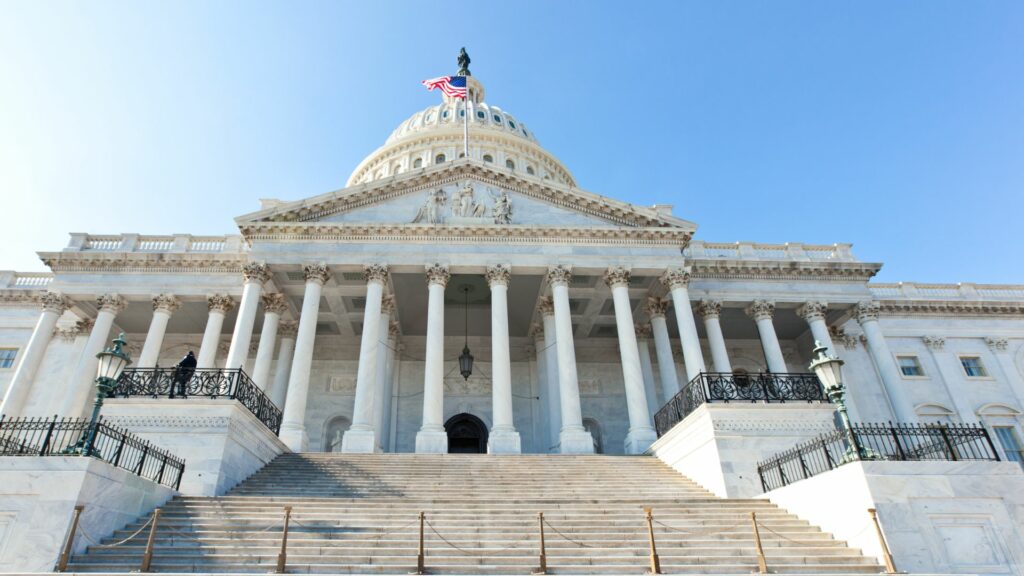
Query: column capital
pixel 537 330
pixel 866 311
pixel 66 334
pixel 318 273
pixel 616 276
pixel 997 344
pixel 394 330
pixel 656 307
pixel 709 308
pixel 256 272
pixel 676 278
pixel 220 303
pixel 287 329
pixel 761 310
pixel 546 306
pixel 387 304
pixel 499 274
pixel 54 302
pixel 113 303
pixel 84 326
pixel 643 331
pixel 812 310
pixel 166 303
pixel 276 303
pixel 559 275
pixel 438 274
pixel 375 273
pixel 934 342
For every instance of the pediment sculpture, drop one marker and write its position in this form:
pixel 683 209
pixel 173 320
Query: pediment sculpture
pixel 465 208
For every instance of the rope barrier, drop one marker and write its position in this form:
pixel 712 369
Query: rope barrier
pixel 95 544
pixel 691 532
pixel 477 552
pixel 806 542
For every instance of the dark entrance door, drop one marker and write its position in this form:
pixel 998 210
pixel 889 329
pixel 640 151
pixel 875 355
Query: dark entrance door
pixel 467 434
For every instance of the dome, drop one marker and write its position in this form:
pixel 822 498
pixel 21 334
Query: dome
pixel 435 135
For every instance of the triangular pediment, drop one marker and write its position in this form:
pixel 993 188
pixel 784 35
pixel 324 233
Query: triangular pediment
pixel 465 193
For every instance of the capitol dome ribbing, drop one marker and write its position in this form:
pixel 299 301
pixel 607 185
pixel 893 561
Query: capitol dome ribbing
pixel 435 135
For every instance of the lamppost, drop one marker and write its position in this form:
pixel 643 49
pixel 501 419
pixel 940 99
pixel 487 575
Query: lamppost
pixel 466 359
pixel 112 361
pixel 829 370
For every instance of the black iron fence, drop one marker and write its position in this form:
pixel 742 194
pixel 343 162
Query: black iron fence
pixel 730 387
pixel 899 442
pixel 75 436
pixel 204 382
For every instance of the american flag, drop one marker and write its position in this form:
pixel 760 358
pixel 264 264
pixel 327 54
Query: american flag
pixel 452 86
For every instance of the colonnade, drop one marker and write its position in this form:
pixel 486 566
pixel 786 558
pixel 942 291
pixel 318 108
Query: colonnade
pixel 294 344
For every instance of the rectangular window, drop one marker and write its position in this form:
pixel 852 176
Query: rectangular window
pixel 910 366
pixel 7 356
pixel 1011 445
pixel 973 367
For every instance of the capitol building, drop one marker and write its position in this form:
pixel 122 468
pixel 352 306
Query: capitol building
pixel 462 321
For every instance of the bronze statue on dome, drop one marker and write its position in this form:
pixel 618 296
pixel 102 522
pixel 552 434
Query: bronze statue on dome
pixel 463 63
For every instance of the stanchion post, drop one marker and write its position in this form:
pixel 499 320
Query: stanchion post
pixel 147 557
pixel 65 555
pixel 655 562
pixel 890 566
pixel 282 556
pixel 543 549
pixel 419 556
pixel 762 565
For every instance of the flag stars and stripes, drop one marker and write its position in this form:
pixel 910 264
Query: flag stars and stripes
pixel 452 86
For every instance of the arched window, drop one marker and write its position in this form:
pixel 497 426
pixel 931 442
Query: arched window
pixel 488 158
pixel 510 164
pixel 497 119
pixel 439 159
pixel 417 163
pixel 594 427
pixel 334 429
pixel 396 169
pixel 480 115
pixel 529 170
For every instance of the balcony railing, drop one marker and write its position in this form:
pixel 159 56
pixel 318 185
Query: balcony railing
pixel 730 387
pixel 204 382
pixel 899 442
pixel 69 436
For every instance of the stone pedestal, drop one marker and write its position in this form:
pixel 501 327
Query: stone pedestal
pixel 719 445
pixel 360 442
pixel 504 442
pixel 431 442
pixel 222 442
pixel 38 496
pixel 575 442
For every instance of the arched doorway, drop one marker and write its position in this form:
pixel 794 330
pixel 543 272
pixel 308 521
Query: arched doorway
pixel 467 434
pixel 334 429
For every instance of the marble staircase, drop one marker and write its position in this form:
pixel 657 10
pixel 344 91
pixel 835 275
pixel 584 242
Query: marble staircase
pixel 358 514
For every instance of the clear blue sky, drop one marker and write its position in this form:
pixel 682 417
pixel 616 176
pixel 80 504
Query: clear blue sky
pixel 897 126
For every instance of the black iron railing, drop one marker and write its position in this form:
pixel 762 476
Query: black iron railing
pixel 204 382
pixel 730 387
pixel 73 436
pixel 899 442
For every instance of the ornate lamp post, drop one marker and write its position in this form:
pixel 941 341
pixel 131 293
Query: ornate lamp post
pixel 829 370
pixel 112 361
pixel 466 359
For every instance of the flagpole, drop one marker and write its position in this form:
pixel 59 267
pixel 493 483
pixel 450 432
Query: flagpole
pixel 465 141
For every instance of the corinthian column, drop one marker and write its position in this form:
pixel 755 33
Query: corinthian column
pixel 678 281
pixel 641 433
pixel 219 305
pixel 709 310
pixel 813 313
pixel 762 312
pixel 656 309
pixel 432 438
pixel 53 304
pixel 574 438
pixel 76 402
pixel 274 305
pixel 547 314
pixel 387 306
pixel 361 436
pixel 293 425
pixel 643 342
pixel 503 438
pixel 286 330
pixel 164 306
pixel 867 317
pixel 255 276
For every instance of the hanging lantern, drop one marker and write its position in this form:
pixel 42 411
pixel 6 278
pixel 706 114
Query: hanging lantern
pixel 466 359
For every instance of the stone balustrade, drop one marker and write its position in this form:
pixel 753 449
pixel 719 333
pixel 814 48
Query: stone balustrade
pixel 962 291
pixel 700 250
pixel 175 243
pixel 11 280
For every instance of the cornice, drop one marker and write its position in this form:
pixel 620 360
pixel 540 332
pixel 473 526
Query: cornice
pixel 20 297
pixel 782 269
pixel 486 234
pixel 143 262
pixel 950 308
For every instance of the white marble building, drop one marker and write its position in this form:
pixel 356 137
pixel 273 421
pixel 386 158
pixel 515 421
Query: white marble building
pixel 585 314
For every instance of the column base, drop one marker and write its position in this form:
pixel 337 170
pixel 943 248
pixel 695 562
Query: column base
pixel 638 440
pixel 294 437
pixel 504 442
pixel 431 442
pixel 575 442
pixel 359 442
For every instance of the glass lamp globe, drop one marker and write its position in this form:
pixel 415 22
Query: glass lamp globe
pixel 113 361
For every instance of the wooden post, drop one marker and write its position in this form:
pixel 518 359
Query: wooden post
pixel 762 565
pixel 282 557
pixel 422 552
pixel 65 555
pixel 655 562
pixel 890 566
pixel 147 558
pixel 543 553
